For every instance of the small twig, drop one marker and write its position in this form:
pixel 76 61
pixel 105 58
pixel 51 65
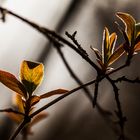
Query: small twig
pixel 10 110
pixel 72 37
pixel 123 78
pixel 119 113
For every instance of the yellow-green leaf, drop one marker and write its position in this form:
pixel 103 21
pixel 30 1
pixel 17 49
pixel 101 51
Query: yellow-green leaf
pixel 129 22
pixel 54 92
pixel 11 82
pixel 31 74
pixel 116 55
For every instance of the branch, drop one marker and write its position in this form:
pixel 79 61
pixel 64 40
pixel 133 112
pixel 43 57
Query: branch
pixel 95 92
pixel 119 113
pixel 49 33
pixel 10 110
pixel 72 37
pixel 123 78
pixel 19 128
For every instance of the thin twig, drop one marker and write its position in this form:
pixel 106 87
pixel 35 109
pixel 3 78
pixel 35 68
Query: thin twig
pixel 10 110
pixel 119 113
pixel 123 78
pixel 72 37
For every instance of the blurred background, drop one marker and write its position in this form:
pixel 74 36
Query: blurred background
pixel 73 118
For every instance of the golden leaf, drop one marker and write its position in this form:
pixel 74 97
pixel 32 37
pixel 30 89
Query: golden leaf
pixel 18 102
pixel 137 47
pixel 129 22
pixel 11 82
pixel 54 92
pixel 116 55
pixel 113 38
pixel 31 74
pixel 34 99
pixel 105 46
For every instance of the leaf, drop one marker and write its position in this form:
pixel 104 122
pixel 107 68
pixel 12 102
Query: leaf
pixel 137 47
pixel 11 82
pixel 17 118
pixel 116 55
pixel 34 99
pixel 113 38
pixel 54 92
pixel 31 75
pixel 129 22
pixel 19 104
pixel 105 46
pixel 137 29
pixel 96 51
pixel 101 64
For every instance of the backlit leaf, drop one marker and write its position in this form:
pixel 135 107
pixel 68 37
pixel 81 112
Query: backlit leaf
pixel 137 29
pixel 96 51
pixel 137 47
pixel 31 74
pixel 11 82
pixel 113 38
pixel 54 92
pixel 18 102
pixel 116 55
pixel 105 45
pixel 129 22
pixel 101 64
pixel 34 99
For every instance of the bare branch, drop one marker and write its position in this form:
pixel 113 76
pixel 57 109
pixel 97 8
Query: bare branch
pixel 10 110
pixel 119 113
pixel 72 37
pixel 123 78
